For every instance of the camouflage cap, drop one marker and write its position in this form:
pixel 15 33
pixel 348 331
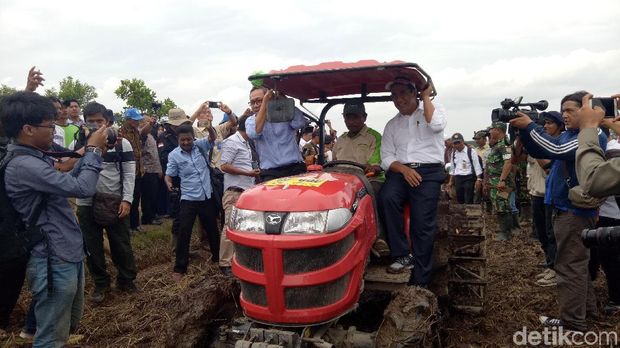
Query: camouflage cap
pixel 480 134
pixel 500 125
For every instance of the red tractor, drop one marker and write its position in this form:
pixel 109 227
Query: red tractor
pixel 303 243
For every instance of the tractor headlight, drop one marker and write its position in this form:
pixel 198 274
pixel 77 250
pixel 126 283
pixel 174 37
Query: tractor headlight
pixel 247 220
pixel 316 221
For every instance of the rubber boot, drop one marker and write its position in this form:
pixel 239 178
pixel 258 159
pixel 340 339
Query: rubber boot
pixel 515 227
pixel 505 225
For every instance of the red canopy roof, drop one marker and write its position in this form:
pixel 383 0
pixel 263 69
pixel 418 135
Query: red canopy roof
pixel 338 79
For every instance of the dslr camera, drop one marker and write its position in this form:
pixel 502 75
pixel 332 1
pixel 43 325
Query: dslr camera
pixel 81 137
pixel 510 107
pixel 602 236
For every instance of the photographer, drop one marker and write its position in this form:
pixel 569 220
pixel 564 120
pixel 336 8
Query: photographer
pixel 598 177
pixel 109 209
pixel 31 180
pixel 575 292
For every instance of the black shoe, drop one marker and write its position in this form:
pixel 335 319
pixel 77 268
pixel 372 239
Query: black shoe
pixel 227 271
pixel 154 222
pixel 612 308
pixel 99 294
pixel 129 288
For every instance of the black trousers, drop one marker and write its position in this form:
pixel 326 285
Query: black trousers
pixel 12 274
pixel 280 172
pixel 609 258
pixel 542 219
pixel 150 188
pixel 206 212
pixel 423 199
pixel 134 213
pixel 464 185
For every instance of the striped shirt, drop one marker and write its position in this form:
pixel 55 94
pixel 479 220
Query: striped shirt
pixel 110 176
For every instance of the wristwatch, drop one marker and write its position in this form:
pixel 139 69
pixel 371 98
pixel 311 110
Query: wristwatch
pixel 94 149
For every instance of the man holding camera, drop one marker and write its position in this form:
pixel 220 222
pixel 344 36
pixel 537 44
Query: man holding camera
pixel 55 270
pixel 575 292
pixel 276 142
pixel 116 185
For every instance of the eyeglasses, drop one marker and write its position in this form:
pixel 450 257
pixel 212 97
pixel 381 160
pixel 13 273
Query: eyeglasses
pixel 50 126
pixel 256 101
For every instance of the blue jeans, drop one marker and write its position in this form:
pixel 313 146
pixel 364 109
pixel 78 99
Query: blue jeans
pixel 513 202
pixel 58 312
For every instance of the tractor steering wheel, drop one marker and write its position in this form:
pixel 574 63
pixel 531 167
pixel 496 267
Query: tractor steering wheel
pixel 343 162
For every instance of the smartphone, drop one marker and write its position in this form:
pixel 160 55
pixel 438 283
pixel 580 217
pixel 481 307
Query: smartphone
pixel 214 105
pixel 608 104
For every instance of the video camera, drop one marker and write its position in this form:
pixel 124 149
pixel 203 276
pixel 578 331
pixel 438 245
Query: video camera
pixel 602 236
pixel 510 107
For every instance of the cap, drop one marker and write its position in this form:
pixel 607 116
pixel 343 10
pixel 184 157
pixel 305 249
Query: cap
pixel 480 134
pixel 400 81
pixel 553 116
pixel 177 117
pixel 225 118
pixel 457 137
pixel 133 114
pixel 500 125
pixel 355 108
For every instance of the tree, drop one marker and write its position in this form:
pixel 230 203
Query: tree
pixel 6 90
pixel 70 88
pixel 166 105
pixel 137 95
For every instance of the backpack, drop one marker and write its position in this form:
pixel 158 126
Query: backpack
pixel 17 238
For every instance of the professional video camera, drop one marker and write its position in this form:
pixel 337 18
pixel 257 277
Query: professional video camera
pixel 510 107
pixel 81 137
pixel 602 236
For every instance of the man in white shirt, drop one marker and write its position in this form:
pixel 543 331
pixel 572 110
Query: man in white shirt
pixel 412 151
pixel 466 172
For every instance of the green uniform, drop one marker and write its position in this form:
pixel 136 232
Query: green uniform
pixel 499 153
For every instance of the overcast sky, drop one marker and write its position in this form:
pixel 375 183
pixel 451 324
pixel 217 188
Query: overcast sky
pixel 477 52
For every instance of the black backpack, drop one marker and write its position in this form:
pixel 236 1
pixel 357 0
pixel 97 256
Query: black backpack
pixel 17 239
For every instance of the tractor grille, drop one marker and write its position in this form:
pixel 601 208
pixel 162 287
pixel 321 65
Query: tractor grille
pixel 318 295
pixel 254 293
pixel 249 257
pixel 308 260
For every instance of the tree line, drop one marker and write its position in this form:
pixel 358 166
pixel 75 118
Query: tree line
pixel 134 92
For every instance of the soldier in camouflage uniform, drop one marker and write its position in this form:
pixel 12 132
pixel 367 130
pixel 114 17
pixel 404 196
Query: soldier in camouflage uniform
pixel 500 181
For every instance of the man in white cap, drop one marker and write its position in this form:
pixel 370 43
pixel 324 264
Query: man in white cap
pixel 412 154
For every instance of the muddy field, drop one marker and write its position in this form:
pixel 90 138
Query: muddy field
pixel 187 314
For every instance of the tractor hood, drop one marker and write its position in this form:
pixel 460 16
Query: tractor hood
pixel 313 191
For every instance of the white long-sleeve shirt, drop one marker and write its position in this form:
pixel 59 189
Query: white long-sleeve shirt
pixel 461 164
pixel 410 139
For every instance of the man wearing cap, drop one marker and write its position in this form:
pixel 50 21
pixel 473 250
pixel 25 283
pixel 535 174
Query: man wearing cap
pixel 482 148
pixel 362 144
pixel 131 132
pixel 466 171
pixel 276 142
pixel 499 182
pixel 412 149
pixel 575 292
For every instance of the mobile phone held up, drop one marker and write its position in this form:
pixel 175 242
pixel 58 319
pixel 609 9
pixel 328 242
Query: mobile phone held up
pixel 608 104
pixel 214 105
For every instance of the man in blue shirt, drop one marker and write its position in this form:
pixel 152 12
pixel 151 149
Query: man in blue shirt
pixel 28 119
pixel 575 292
pixel 189 163
pixel 276 143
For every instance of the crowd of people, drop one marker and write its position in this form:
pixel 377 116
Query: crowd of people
pixel 183 167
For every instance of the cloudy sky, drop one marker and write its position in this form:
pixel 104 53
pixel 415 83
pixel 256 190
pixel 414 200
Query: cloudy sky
pixel 478 52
